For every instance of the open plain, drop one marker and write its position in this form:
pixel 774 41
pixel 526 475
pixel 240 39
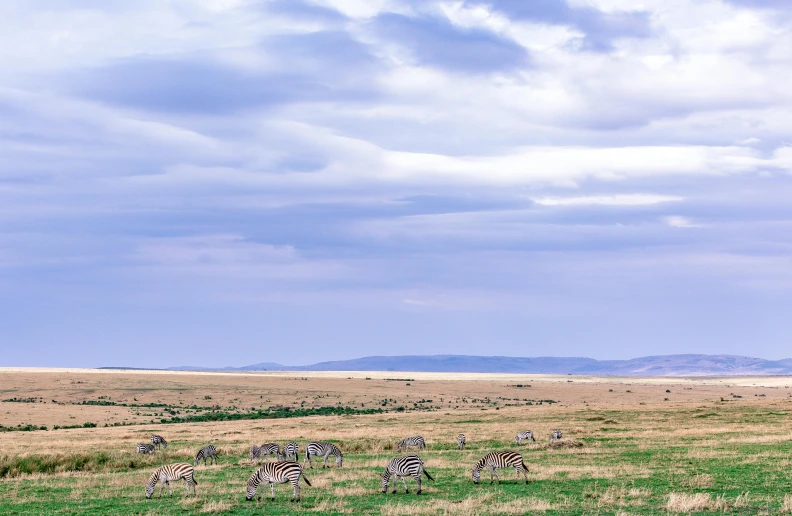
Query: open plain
pixel 630 446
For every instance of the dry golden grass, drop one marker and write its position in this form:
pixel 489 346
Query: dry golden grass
pixel 685 502
pixel 700 481
pixel 786 508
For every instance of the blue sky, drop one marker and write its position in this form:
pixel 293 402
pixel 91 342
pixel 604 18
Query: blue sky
pixel 229 182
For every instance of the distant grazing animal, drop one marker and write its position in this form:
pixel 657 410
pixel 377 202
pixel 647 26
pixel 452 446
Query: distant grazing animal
pixel 409 465
pixel 207 452
pixel 318 449
pixel 158 440
pixel 503 459
pixel 168 473
pixel 556 435
pixel 461 441
pixel 524 436
pixel 412 441
pixel 292 449
pixel 264 450
pixel 145 448
pixel 276 473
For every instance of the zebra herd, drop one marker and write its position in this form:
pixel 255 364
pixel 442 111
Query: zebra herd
pixel 284 470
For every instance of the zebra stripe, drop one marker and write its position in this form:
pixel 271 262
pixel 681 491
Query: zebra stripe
pixel 409 465
pixel 556 435
pixel 502 459
pixel 259 452
pixel 169 473
pixel 276 473
pixel 461 441
pixel 524 436
pixel 145 448
pixel 318 449
pixel 411 441
pixel 207 452
pixel 292 449
pixel 158 440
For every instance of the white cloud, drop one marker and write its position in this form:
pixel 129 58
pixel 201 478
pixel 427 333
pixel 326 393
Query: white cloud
pixel 607 200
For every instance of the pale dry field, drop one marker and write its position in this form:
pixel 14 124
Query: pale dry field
pixel 234 391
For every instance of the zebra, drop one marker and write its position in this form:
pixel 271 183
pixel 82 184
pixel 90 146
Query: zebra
pixel 165 474
pixel 158 440
pixel 207 452
pixel 322 450
pixel 409 465
pixel 524 436
pixel 276 473
pixel 412 441
pixel 145 448
pixel 258 452
pixel 461 441
pixel 292 449
pixel 556 435
pixel 502 459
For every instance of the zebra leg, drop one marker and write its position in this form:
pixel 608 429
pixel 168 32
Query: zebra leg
pixel 272 490
pixel 324 464
pixel 296 496
pixel 162 488
pixel 418 479
pixel 170 489
pixel 517 473
pixel 405 485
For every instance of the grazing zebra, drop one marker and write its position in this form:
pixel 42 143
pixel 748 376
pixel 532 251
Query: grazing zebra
pixel 409 465
pixel 158 440
pixel 524 436
pixel 276 473
pixel 259 452
pixel 461 441
pixel 322 450
pixel 556 435
pixel 207 452
pixel 171 472
pixel 291 450
pixel 145 448
pixel 412 441
pixel 503 459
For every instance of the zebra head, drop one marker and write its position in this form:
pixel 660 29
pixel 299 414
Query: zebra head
pixel 251 490
pixel 476 475
pixel 339 460
pixel 385 481
pixel 150 487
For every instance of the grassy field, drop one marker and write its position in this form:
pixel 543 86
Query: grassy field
pixel 630 447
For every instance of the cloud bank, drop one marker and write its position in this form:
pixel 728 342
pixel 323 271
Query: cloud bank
pixel 297 181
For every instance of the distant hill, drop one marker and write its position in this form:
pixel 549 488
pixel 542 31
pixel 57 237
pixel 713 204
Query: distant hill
pixel 664 365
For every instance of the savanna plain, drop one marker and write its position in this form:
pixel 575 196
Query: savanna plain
pixel 630 445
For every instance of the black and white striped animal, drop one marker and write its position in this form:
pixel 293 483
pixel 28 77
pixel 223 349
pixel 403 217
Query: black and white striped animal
pixel 207 452
pixel 461 441
pixel 158 440
pixel 524 436
pixel 412 441
pixel 292 449
pixel 170 473
pixel 276 473
pixel 556 435
pixel 145 448
pixel 409 465
pixel 502 459
pixel 317 449
pixel 259 452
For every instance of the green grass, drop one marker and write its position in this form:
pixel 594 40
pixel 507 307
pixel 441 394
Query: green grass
pixel 632 472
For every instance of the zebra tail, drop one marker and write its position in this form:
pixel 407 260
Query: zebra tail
pixel 195 481
pixel 428 475
pixel 306 480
